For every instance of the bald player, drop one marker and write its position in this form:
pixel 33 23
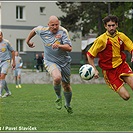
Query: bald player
pixel 57 45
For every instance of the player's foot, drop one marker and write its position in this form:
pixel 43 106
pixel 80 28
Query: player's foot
pixel 16 86
pixel 19 86
pixel 6 94
pixel 58 103
pixel 69 109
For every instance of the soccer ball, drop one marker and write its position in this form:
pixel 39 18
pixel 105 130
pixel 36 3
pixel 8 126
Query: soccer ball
pixel 86 72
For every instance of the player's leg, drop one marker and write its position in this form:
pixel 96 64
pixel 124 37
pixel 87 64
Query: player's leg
pixel 42 67
pixel 128 80
pixel 19 78
pixel 4 71
pixel 4 85
pixel 127 77
pixel 68 96
pixel 123 93
pixel 66 72
pixel 16 81
pixel 15 77
pixel 37 68
pixel 55 73
pixel 67 93
pixel 115 79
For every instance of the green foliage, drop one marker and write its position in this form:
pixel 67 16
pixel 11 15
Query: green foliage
pixel 86 16
pixel 96 108
pixel 72 10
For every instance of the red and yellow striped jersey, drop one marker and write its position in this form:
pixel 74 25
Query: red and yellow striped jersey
pixel 109 49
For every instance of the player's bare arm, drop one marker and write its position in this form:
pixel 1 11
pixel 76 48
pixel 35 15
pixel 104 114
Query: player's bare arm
pixel 13 59
pixel 30 36
pixel 65 47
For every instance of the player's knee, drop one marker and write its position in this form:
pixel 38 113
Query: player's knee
pixel 57 79
pixel 67 87
pixel 124 93
pixel 126 97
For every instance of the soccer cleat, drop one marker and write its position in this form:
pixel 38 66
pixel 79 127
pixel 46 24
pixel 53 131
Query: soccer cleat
pixel 69 109
pixel 6 94
pixel 19 86
pixel 16 86
pixel 58 103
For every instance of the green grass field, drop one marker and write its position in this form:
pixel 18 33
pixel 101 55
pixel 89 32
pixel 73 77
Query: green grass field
pixel 96 108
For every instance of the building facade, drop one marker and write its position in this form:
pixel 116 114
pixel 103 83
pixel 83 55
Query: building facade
pixel 19 17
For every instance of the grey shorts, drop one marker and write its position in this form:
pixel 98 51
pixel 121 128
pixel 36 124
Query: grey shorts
pixel 65 70
pixel 17 72
pixel 4 66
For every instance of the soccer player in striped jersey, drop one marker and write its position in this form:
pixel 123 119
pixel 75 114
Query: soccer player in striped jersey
pixel 109 48
pixel 57 44
pixel 6 55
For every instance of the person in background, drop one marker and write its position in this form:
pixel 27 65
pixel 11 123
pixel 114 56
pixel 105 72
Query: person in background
pixel 42 57
pixel 7 54
pixel 57 44
pixel 17 70
pixel 39 63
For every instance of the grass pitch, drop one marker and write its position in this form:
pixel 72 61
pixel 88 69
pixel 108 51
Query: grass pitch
pixel 96 108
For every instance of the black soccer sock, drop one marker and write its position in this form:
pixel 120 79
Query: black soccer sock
pixel 68 97
pixel 57 89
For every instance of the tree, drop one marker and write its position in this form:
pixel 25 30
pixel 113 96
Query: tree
pixel 86 16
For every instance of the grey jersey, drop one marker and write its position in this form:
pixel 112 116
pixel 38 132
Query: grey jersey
pixel 58 56
pixel 5 50
pixel 18 61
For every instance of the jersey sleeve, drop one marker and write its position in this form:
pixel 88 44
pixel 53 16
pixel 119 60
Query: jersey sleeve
pixel 128 44
pixel 9 46
pixel 65 37
pixel 38 29
pixel 98 45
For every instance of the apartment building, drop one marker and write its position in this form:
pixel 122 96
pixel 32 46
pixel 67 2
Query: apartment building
pixel 17 18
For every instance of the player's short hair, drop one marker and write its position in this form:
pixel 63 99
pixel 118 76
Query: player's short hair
pixel 1 33
pixel 112 18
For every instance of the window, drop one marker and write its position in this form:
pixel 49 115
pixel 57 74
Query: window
pixel 20 12
pixel 42 10
pixel 20 45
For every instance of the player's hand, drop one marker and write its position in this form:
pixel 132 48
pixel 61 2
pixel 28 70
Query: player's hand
pixel 31 44
pixel 13 66
pixel 55 45
pixel 96 74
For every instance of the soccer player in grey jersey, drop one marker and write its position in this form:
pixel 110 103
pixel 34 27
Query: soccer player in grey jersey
pixel 6 50
pixel 57 44
pixel 17 70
